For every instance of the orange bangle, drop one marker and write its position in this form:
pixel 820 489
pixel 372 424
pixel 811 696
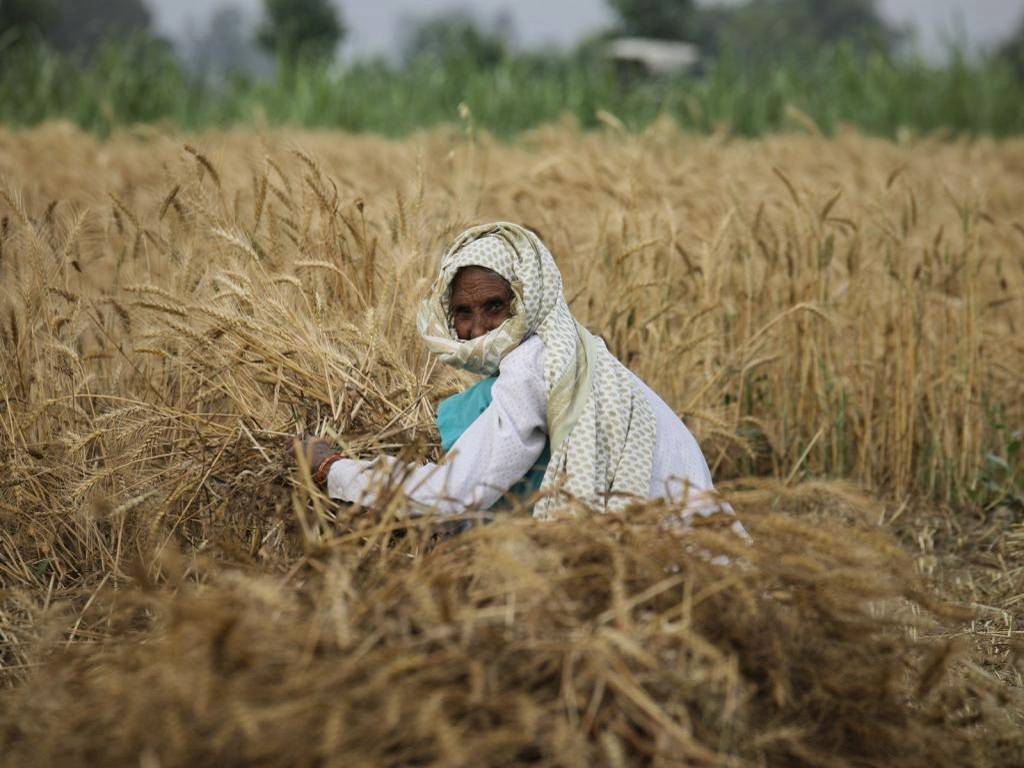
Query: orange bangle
pixel 320 476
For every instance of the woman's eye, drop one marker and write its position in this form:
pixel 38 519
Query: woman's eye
pixel 496 306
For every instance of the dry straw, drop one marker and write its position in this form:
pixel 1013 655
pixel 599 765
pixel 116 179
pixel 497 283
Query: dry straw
pixel 837 320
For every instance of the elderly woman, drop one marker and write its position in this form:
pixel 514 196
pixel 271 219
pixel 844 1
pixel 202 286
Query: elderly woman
pixel 557 412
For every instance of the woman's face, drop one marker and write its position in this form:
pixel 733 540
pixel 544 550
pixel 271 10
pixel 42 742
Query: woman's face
pixel 481 300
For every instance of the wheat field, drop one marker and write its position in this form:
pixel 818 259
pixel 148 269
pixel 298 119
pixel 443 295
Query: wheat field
pixel 838 321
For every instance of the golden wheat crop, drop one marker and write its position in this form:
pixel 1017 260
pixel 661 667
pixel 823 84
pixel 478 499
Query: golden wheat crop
pixel 837 320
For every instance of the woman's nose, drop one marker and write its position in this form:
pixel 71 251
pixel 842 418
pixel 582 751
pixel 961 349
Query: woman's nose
pixel 479 327
pixel 482 324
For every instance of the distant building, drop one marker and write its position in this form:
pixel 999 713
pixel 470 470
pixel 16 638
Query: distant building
pixel 653 57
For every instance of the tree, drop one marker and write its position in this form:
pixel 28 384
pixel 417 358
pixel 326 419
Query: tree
pixel 764 30
pixel 225 46
pixel 1012 51
pixel 74 26
pixel 665 19
pixel 455 36
pixel 82 26
pixel 26 18
pixel 301 29
pixel 803 25
pixel 761 30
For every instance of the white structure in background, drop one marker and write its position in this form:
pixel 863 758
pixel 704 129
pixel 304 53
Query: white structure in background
pixel 656 57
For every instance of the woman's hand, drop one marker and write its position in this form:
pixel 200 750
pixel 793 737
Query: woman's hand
pixel 316 450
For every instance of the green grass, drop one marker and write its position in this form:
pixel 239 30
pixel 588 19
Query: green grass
pixel 130 84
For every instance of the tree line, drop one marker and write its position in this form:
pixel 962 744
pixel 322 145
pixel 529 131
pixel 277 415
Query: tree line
pixel 756 32
pixel 764 64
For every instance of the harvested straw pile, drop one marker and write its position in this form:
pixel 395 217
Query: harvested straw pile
pixel 817 310
pixel 578 643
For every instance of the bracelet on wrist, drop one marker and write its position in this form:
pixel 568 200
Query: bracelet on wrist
pixel 322 470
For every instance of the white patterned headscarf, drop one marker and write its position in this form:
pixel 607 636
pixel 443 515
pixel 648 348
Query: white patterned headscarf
pixel 601 427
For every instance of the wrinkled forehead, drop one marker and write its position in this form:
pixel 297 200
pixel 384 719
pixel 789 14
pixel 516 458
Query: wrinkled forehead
pixel 490 252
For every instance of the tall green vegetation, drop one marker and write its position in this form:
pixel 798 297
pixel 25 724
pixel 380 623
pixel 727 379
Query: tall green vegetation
pixel 773 65
pixel 136 83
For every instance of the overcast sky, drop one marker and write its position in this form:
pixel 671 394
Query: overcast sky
pixel 374 25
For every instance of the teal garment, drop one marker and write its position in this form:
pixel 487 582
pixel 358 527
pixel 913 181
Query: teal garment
pixel 456 413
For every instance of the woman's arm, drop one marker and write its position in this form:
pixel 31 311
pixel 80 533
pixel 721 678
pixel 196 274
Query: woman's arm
pixel 491 456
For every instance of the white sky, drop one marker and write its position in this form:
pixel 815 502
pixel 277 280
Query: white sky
pixel 374 24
